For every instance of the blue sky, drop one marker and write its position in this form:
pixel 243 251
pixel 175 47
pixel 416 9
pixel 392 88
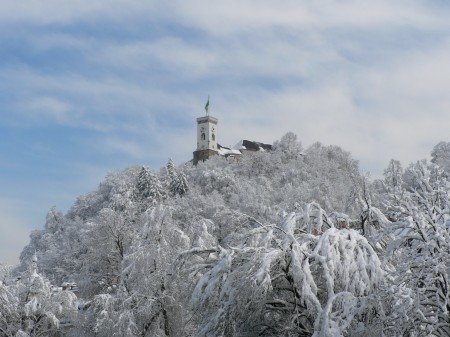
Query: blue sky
pixel 88 87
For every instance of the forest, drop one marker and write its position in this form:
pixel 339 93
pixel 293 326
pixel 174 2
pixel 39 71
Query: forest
pixel 290 242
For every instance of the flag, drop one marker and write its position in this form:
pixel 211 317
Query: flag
pixel 207 106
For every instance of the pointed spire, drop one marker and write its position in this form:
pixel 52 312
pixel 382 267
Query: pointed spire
pixel 34 260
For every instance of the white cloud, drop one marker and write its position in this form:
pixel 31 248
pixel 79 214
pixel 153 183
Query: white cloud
pixel 47 12
pixel 49 108
pixel 131 148
pixel 81 101
pixel 235 16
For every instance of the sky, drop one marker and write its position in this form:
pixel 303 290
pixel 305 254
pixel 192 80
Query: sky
pixel 91 87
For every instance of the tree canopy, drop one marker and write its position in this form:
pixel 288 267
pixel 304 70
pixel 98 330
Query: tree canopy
pixel 288 242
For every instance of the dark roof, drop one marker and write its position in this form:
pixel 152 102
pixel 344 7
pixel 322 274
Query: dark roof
pixel 256 146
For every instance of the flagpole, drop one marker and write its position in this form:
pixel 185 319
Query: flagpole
pixel 207 107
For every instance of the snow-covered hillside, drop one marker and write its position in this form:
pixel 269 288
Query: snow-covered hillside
pixel 291 242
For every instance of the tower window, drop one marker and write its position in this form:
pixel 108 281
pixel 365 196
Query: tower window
pixel 213 137
pixel 203 136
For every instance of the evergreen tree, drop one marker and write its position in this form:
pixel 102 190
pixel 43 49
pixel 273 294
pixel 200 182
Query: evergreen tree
pixel 179 185
pixel 148 187
pixel 176 182
pixel 393 176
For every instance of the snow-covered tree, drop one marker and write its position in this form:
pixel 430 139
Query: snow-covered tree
pixel 289 146
pixel 32 307
pixel 10 311
pixel 148 189
pixel 418 256
pixel 176 181
pixel 143 302
pixel 440 155
pixel 393 176
pixel 298 278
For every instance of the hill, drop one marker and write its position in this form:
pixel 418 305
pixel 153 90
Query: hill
pixel 286 242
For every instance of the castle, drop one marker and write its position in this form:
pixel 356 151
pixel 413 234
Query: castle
pixel 207 145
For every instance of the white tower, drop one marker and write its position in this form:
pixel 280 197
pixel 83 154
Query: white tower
pixel 206 137
pixel 207 133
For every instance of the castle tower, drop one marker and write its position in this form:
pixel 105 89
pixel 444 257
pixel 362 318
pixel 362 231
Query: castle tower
pixel 206 137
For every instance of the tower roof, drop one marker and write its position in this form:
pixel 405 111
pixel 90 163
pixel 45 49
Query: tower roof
pixel 205 119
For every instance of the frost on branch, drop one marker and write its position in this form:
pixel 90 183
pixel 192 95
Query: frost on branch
pixel 349 263
pixel 287 280
pixel 350 274
pixel 419 257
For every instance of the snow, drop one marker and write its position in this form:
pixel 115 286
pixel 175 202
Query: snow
pixel 227 152
pixel 220 249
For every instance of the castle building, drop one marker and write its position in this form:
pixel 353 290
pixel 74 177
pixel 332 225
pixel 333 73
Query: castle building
pixel 207 145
